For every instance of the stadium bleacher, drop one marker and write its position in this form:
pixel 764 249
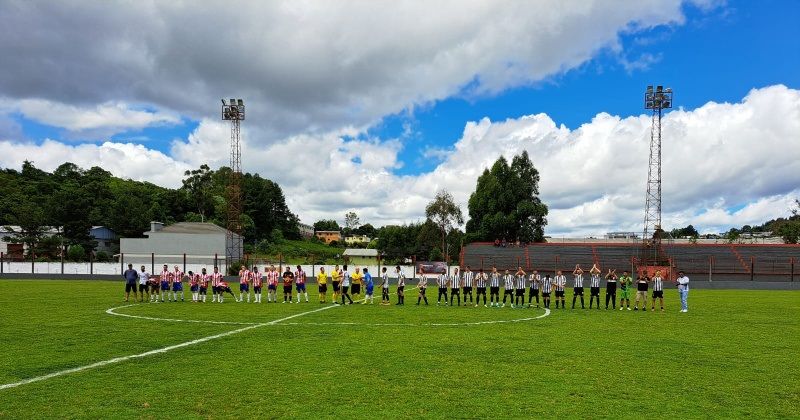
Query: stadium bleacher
pixel 766 262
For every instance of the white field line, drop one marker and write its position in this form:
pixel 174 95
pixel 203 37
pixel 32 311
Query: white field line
pixel 431 324
pixel 113 311
pixel 152 352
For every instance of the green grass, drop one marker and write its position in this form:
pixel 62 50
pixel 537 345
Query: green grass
pixel 734 355
pixel 301 252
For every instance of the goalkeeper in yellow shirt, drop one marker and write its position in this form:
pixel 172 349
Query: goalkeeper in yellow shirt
pixel 322 284
pixel 357 280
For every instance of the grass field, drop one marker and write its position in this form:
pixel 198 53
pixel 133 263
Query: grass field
pixel 735 354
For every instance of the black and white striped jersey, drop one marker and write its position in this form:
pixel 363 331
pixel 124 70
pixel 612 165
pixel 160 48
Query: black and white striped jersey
pixel 494 280
pixel 468 278
pixel 560 282
pixel 578 281
pixel 455 281
pixel 595 282
pixel 521 281
pixel 441 281
pixel 480 280
pixel 658 284
pixel 508 281
pixel 536 280
pixel 546 284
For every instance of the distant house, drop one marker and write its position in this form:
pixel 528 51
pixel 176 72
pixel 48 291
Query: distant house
pixel 328 236
pixel 356 240
pixel 306 231
pixel 14 251
pixel 201 242
pixel 361 256
pixel 105 238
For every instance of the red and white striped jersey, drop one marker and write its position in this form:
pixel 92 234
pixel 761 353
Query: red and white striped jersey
pixel 255 277
pixel 300 277
pixel 204 280
pixel 272 278
pixel 216 279
pixel 166 275
pixel 244 276
pixel 177 276
pixel 194 280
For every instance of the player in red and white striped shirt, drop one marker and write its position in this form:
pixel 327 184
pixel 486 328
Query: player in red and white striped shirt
pixel 204 278
pixel 166 279
pixel 194 285
pixel 216 281
pixel 255 279
pixel 300 283
pixel 244 284
pixel 272 284
pixel 177 284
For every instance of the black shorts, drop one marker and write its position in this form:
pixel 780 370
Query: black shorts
pixel 442 290
pixel 520 292
pixel 400 289
pixel 144 288
pixel 323 288
pixel 559 293
pixel 467 289
pixel 533 292
pixel 577 291
pixel 641 287
pixel 545 295
pixel 287 289
pixel 336 286
pixel 508 292
pixel 594 291
pixel 130 287
pixel 494 290
pixel 611 287
pixel 203 290
pixel 481 291
pixel 658 294
pixel 257 290
pixel 356 289
pixel 455 291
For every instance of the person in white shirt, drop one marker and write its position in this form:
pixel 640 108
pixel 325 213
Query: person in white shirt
pixel 144 282
pixel 401 286
pixel 683 290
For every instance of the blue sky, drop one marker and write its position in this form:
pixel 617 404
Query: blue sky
pixel 377 100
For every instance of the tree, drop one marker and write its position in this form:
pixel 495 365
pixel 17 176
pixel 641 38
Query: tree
pixel 790 231
pixel 327 224
pixel 199 185
pixel 367 230
pixel 351 220
pixel 505 203
pixel 444 213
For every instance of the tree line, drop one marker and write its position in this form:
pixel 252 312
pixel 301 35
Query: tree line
pixel 75 199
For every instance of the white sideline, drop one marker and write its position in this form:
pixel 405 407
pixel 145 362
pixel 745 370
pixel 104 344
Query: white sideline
pixel 152 352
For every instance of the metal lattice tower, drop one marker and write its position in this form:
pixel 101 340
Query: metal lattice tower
pixel 233 111
pixel 656 100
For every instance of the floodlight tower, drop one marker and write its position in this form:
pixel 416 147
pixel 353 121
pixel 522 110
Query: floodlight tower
pixel 655 100
pixel 233 111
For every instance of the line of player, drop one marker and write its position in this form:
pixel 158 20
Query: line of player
pixel 168 287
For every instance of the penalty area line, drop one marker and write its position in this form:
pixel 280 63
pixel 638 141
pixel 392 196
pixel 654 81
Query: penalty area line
pixel 156 351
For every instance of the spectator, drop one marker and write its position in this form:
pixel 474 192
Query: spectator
pixel 131 276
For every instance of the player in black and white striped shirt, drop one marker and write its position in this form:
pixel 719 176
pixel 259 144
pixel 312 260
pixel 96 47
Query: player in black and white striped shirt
pixel 423 283
pixel 508 288
pixel 594 286
pixel 494 287
pixel 455 287
pixel 536 280
pixel 560 282
pixel 547 286
pixel 577 287
pixel 658 290
pixel 441 282
pixel 401 286
pixel 611 288
pixel 466 289
pixel 519 295
pixel 480 283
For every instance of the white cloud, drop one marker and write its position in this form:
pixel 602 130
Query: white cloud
pixel 125 160
pixel 302 67
pixel 106 118
pixel 715 158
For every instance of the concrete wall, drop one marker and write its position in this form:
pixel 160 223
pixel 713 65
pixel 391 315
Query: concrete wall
pixel 175 244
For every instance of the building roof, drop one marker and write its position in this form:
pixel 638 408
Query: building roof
pixel 328 231
pixel 193 227
pixel 357 252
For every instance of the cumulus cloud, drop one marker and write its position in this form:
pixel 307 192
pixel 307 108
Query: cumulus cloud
pixel 104 119
pixel 302 67
pixel 723 165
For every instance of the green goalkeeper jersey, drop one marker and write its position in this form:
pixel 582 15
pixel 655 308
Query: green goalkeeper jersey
pixel 625 282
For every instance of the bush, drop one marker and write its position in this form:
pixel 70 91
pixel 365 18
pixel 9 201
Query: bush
pixel 76 253
pixel 234 268
pixel 102 256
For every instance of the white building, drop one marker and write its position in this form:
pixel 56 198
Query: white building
pixel 198 242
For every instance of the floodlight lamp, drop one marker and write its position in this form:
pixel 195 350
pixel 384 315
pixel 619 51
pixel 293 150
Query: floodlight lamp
pixel 666 104
pixel 223 102
pixel 649 88
pixel 241 102
pixel 659 88
pixel 233 101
